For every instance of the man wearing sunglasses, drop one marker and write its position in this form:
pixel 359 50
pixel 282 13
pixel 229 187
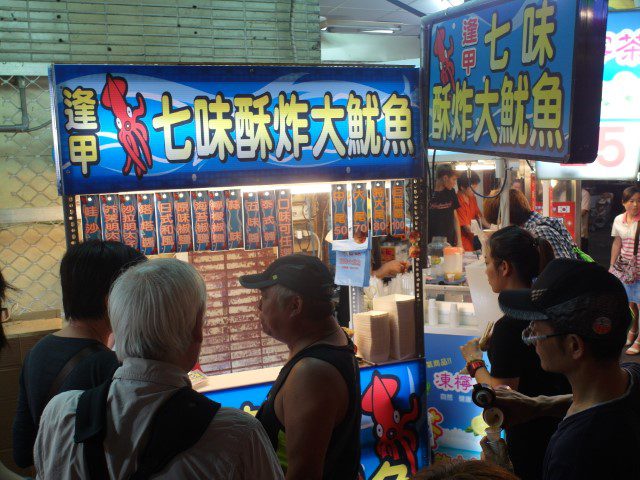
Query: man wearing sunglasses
pixel 579 316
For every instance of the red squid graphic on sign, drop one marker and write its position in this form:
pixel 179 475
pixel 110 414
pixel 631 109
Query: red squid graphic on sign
pixel 132 132
pixel 395 439
pixel 447 68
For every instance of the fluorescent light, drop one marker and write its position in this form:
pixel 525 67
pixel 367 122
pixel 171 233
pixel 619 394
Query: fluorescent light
pixel 475 166
pixel 381 30
pixel 323 29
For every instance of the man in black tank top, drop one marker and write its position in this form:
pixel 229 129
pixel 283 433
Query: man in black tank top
pixel 312 413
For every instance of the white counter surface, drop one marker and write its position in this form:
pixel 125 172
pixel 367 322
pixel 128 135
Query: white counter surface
pixel 239 379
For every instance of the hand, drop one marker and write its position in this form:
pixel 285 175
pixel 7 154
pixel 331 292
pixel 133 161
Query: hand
pixel 471 350
pixel 517 408
pixel 496 454
pixel 391 269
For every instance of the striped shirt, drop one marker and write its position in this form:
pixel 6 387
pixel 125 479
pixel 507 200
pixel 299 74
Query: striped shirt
pixel 627 233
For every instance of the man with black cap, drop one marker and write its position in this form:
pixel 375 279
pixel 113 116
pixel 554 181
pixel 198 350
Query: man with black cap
pixel 312 413
pixel 579 318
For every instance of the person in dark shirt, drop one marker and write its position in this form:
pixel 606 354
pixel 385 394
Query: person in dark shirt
pixel 443 219
pixel 579 318
pixel 312 412
pixel 514 258
pixel 76 357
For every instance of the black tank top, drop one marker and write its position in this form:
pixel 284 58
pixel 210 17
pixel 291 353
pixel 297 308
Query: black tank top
pixel 343 454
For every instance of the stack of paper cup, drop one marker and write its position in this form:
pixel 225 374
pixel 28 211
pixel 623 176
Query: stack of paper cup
pixel 371 335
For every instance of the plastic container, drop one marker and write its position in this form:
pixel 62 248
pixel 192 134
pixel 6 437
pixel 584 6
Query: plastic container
pixel 452 264
pixel 435 252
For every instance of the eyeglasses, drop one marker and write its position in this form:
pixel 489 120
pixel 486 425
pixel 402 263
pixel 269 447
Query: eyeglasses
pixel 529 339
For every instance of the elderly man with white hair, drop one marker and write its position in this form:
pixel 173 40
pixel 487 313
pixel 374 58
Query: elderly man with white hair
pixel 148 421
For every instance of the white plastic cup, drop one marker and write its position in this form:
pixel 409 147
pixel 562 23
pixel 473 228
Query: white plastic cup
pixel 453 315
pixel 432 311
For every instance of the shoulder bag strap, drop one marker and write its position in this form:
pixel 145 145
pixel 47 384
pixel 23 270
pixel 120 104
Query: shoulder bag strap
pixel 635 240
pixel 90 429
pixel 68 367
pixel 176 426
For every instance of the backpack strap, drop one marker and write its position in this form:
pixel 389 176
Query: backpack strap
pixel 71 364
pixel 91 420
pixel 176 426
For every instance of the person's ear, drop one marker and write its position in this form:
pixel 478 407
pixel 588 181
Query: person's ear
pixel 576 346
pixel 505 269
pixel 296 305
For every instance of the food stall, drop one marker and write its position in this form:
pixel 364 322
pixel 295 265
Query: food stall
pixel 229 167
pixel 510 79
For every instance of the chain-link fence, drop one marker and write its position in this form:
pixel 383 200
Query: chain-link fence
pixel 32 239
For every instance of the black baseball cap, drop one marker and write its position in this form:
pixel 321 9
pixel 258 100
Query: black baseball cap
pixel 575 297
pixel 303 274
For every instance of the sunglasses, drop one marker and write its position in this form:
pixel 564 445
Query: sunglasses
pixel 529 339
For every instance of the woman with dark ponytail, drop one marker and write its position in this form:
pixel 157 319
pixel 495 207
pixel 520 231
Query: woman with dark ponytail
pixel 514 258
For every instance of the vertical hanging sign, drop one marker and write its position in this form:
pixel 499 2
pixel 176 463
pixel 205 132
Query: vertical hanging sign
pixel 397 209
pixel 233 202
pixel 252 235
pixel 147 224
pixel 129 220
pixel 200 220
pixel 285 223
pixel 182 211
pixel 340 225
pixel 268 218
pixel 90 211
pixel 218 222
pixel 110 217
pixel 360 219
pixel 165 224
pixel 380 217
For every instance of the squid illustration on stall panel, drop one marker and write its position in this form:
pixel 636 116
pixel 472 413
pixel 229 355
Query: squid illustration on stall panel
pixel 444 54
pixel 132 132
pixel 396 439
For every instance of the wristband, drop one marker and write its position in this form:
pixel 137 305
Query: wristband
pixel 473 366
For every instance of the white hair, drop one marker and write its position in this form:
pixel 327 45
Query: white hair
pixel 154 307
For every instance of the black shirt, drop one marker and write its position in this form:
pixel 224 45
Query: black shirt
pixel 511 358
pixel 342 459
pixel 602 442
pixel 442 207
pixel 41 367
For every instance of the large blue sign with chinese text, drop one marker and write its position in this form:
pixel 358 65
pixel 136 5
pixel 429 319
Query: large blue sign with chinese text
pixel 517 78
pixel 394 431
pixel 145 127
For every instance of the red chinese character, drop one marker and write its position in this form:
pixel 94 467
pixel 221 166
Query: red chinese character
pixel 91 228
pixel 442 380
pixel 253 222
pixel 164 207
pixel 469 59
pixel 146 225
pixel 269 220
pixel 145 209
pixel 470 31
pixel 184 229
pixel 90 211
pixel 166 230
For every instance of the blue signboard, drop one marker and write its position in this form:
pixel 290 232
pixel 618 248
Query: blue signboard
pixel 393 400
pixel 518 78
pixel 456 422
pixel 144 127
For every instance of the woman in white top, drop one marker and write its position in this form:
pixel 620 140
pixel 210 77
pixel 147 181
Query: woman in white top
pixel 623 233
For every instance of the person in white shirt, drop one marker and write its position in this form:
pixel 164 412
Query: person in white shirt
pixel 156 311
